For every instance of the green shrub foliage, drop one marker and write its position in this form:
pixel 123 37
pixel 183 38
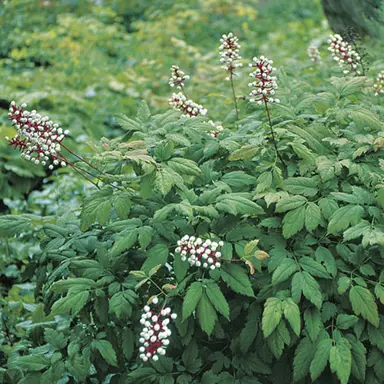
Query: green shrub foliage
pixel 299 294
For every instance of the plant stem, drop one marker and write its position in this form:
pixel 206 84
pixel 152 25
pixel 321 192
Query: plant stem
pixel 234 96
pixel 81 158
pixel 273 133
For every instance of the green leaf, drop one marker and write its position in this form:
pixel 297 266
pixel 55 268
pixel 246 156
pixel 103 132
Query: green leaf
pixel 96 208
pixel 237 279
pixel 180 267
pixel 359 359
pixel 164 181
pixel 184 166
pixel 303 282
pixel 55 338
pixel 343 284
pixel 237 205
pixel 312 217
pixel 106 351
pixel 321 358
pixel 325 257
pixel 273 311
pixel 29 363
pixel 278 339
pixel 246 152
pixel 363 303
pixel 217 299
pixel 293 222
pixel 206 314
pixel 250 330
pixel 340 360
pixel 121 304
pixel 238 179
pixel 191 299
pixel 344 217
pixel 128 340
pixel 157 255
pixel 301 186
pixel 292 314
pixel 288 203
pixel 125 240
pixel 313 323
pixel 145 236
pixel 313 267
pixel 379 292
pixel 71 304
pixel 284 271
pixel 303 356
pixel 264 182
pixel 346 321
pixel 122 204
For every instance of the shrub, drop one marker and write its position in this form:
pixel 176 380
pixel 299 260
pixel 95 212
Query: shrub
pixel 294 191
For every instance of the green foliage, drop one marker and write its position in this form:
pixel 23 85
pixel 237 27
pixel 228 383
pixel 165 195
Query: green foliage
pixel 299 295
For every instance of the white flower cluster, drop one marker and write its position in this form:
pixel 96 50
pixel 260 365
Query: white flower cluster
pixel 205 254
pixel 379 85
pixel 155 333
pixel 177 78
pixel 314 54
pixel 229 53
pixel 264 84
pixel 217 129
pixel 343 53
pixel 188 107
pixel 38 138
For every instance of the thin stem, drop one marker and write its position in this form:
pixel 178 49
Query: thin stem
pixel 158 287
pixel 81 158
pixel 273 133
pixel 234 95
pixel 82 174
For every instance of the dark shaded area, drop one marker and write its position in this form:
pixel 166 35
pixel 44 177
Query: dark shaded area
pixel 363 16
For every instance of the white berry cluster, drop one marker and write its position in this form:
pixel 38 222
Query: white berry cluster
pixel 343 53
pixel 177 77
pixel 155 334
pixel 229 53
pixel 38 138
pixel 379 85
pixel 189 108
pixel 217 129
pixel 264 84
pixel 199 253
pixel 314 54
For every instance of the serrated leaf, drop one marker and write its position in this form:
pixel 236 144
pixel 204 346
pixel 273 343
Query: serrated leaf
pixel 303 282
pixel 313 323
pixel 284 271
pixel 71 304
pixel 293 222
pixel 206 314
pixel 325 257
pixel 288 203
pixel 184 166
pixel 237 279
pixel 273 311
pixel 217 299
pixel 163 181
pixel 246 152
pixel 321 358
pixel 312 217
pixel 301 186
pixel 343 284
pixel 344 321
pixel 313 267
pixel 340 360
pixel 363 303
pixel 292 314
pixel 303 356
pixel 106 351
pixel 234 204
pixel 145 236
pixel 250 330
pixel 344 217
pixel 124 241
pixel 191 299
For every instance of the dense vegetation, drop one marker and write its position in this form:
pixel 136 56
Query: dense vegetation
pixel 293 190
